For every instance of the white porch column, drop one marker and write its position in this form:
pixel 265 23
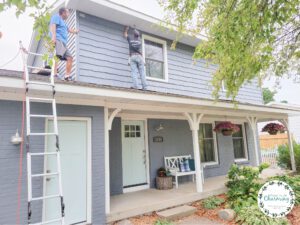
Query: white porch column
pixel 253 125
pixel 291 146
pixel 108 119
pixel 194 121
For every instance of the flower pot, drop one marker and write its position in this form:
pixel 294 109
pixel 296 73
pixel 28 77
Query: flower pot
pixel 227 132
pixel 164 183
pixel 273 132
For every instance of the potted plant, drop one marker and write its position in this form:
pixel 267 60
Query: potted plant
pixel 226 128
pixel 161 172
pixel 274 128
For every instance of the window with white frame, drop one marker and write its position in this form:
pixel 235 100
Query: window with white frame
pixel 207 144
pixel 240 144
pixel 155 54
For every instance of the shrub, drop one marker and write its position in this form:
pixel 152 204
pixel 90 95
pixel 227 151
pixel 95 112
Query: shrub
pixel 252 215
pixel 212 202
pixel 284 159
pixel 243 185
pixel 162 222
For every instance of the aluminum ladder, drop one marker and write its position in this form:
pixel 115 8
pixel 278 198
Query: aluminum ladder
pixel 42 154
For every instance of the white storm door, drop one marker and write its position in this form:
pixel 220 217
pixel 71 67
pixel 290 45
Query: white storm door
pixel 73 136
pixel 134 158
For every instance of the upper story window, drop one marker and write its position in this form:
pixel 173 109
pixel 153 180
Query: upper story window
pixel 208 144
pixel 155 54
pixel 240 144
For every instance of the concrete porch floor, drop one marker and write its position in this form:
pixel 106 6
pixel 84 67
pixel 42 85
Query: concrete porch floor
pixel 146 201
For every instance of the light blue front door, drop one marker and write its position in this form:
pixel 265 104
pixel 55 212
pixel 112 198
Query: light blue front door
pixel 134 156
pixel 73 146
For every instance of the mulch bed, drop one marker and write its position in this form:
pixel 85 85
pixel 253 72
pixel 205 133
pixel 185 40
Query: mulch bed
pixel 212 214
pixel 294 216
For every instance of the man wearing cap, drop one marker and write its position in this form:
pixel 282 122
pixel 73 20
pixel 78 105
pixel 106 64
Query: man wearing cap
pixel 136 58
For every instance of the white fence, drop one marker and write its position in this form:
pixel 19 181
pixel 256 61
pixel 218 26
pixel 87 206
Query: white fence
pixel 270 156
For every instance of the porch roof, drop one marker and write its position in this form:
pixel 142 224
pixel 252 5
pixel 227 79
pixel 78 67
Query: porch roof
pixel 81 93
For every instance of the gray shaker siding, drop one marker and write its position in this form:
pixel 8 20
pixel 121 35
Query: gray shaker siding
pixel 178 141
pixel 10 120
pixel 103 59
pixel 72 46
pixel 115 158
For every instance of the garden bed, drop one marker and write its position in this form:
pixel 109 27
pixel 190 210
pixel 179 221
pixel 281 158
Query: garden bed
pixel 243 186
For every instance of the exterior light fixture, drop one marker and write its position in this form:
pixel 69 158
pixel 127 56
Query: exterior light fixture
pixel 16 139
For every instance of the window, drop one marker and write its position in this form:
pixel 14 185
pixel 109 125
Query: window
pixel 239 144
pixel 155 53
pixel 132 131
pixel 207 144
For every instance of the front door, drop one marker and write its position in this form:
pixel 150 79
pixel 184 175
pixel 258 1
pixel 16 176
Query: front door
pixel 73 135
pixel 134 156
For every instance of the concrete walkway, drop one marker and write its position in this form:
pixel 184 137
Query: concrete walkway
pixel 197 220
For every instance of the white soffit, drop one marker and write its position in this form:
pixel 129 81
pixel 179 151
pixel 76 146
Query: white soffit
pixel 123 15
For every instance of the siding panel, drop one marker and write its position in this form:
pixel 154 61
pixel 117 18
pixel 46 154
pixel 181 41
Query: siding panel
pixel 103 59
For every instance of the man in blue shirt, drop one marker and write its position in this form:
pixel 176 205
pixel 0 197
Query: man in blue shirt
pixel 59 35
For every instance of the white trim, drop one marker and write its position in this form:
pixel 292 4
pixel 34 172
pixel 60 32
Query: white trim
pixel 165 56
pixel 106 162
pixel 13 88
pixel 216 150
pixel 137 188
pixel 145 122
pixel 223 86
pixel 246 159
pixel 89 166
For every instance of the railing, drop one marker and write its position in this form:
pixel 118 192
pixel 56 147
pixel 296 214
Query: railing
pixel 270 156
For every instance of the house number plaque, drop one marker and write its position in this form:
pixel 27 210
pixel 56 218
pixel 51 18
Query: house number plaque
pixel 158 139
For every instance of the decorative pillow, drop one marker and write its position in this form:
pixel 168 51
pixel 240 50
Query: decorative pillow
pixel 192 164
pixel 184 166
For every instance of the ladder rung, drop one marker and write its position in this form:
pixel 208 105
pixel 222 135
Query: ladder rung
pixel 45 197
pixel 39 83
pixel 39 68
pixel 41 134
pixel 41 116
pixel 44 174
pixel 40 99
pixel 42 153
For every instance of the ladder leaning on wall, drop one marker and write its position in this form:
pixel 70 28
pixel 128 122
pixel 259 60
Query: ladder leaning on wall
pixel 29 133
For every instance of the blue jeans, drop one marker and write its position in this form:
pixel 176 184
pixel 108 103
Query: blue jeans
pixel 137 67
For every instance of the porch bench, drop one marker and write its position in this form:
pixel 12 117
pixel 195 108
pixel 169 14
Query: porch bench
pixel 172 164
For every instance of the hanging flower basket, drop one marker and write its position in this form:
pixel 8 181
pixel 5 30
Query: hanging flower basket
pixel 273 128
pixel 226 128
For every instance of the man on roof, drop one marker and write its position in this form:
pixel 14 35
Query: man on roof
pixel 136 59
pixel 59 35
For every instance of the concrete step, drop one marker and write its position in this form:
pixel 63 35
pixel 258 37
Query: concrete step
pixel 177 212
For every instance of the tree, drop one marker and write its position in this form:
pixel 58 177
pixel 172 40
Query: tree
pixel 268 95
pixel 247 39
pixel 40 12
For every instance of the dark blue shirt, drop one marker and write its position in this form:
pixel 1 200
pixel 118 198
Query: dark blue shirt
pixel 61 28
pixel 135 45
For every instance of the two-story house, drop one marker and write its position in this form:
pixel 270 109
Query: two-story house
pixel 114 138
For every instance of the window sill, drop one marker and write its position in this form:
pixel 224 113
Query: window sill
pixel 241 161
pixel 210 164
pixel 157 79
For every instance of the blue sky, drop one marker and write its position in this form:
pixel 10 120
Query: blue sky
pixel 20 29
